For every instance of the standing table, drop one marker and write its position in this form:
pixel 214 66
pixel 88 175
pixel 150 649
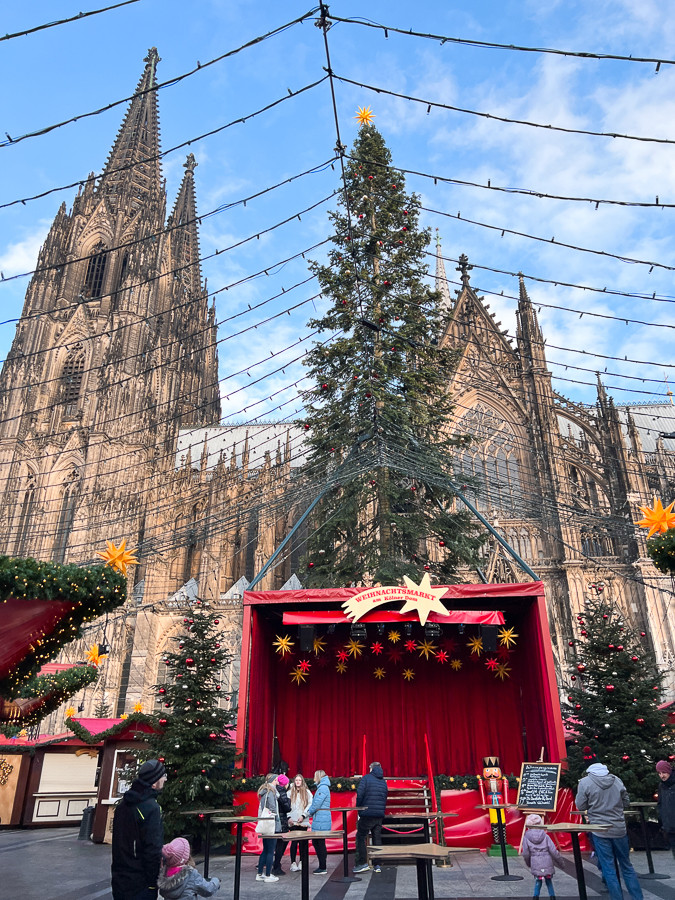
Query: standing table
pixel 423 855
pixel 208 815
pixel 346 877
pixel 238 822
pixel 640 806
pixel 501 829
pixel 303 838
pixel 574 829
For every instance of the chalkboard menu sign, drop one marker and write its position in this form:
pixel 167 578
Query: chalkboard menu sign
pixel 538 789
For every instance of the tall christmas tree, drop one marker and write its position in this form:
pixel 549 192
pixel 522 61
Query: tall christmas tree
pixel 377 418
pixel 613 700
pixel 195 740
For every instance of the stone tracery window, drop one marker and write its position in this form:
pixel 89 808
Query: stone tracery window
pixel 71 379
pixel 492 460
pixel 26 517
pixel 93 281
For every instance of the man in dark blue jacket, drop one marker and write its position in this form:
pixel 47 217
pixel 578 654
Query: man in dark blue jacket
pixel 371 793
pixel 138 836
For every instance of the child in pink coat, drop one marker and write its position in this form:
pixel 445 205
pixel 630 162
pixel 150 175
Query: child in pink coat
pixel 540 854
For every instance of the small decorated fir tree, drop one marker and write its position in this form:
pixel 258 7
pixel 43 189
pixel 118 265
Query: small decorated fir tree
pixel 378 416
pixel 613 701
pixel 195 741
pixel 102 710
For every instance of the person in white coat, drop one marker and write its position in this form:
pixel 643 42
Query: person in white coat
pixel 301 800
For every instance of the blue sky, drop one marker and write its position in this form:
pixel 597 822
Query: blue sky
pixel 74 68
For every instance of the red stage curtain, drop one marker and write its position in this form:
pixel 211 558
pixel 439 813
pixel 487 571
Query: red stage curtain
pixel 320 724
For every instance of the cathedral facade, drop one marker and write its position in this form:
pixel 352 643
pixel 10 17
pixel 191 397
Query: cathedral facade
pixel 110 428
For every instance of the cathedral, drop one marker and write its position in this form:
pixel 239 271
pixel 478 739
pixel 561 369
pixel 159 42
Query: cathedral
pixel 110 427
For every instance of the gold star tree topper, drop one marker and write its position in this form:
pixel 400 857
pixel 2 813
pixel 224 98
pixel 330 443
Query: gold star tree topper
pixel 657 518
pixel 365 115
pixel 118 557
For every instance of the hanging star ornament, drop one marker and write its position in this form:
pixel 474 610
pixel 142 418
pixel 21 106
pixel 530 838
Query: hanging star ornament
pixel 394 636
pixel 341 667
pixel 442 656
pixel 395 654
pixel 319 645
pixel 376 648
pixel 657 518
pixel 492 663
pixel 427 648
pixel 298 675
pixel 427 599
pixel 93 656
pixel 354 647
pixel 410 646
pixel 379 673
pixel 70 712
pixel 503 671
pixel 305 665
pixel 342 655
pixel 408 674
pixel 283 644
pixel 138 707
pixel 365 115
pixel 118 557
pixel 507 637
pixel 456 664
pixel 475 644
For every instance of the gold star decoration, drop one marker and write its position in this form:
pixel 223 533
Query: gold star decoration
pixel 70 712
pixel 475 644
pixel 124 716
pixel 408 674
pixel 298 675
pixel 427 648
pixel 379 673
pixel 341 667
pixel 138 707
pixel 118 557
pixel 354 647
pixel 456 664
pixel 283 644
pixel 425 604
pixel 319 645
pixel 93 656
pixel 507 637
pixel 365 115
pixel 394 636
pixel 503 671
pixel 657 518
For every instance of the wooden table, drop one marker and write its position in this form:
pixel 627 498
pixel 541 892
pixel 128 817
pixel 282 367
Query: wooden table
pixel 303 838
pixel 239 822
pixel 501 829
pixel 208 815
pixel 639 806
pixel 424 856
pixel 574 829
pixel 346 877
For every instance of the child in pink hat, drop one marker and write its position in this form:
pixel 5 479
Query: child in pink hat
pixel 178 878
pixel 540 854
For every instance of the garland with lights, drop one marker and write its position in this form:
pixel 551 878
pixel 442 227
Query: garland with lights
pixel 343 784
pixel 47 693
pixel 661 550
pixel 92 589
pixel 133 718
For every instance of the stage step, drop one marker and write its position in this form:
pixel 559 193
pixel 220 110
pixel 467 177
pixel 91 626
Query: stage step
pixel 404 822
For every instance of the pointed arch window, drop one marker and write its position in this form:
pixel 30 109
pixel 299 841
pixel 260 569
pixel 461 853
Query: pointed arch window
pixel 66 516
pixel 25 518
pixel 71 379
pixel 93 282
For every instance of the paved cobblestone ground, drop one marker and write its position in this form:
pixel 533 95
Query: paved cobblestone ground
pixel 51 864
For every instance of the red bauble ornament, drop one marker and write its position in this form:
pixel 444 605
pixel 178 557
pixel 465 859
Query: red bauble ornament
pixel 643 634
pixel 571 643
pixel 167 704
pixel 185 621
pixel 213 736
pixel 161 691
pixel 203 771
pixel 609 687
pixel 570 698
pixel 217 646
pixel 213 659
pixel 324 387
pixel 189 661
pixel 306 427
pixel 394 186
pixel 573 678
pixel 427 568
pixel 368 395
pixel 405 212
pixel 610 646
pixel 581 667
pixel 217 687
pixel 441 543
pixel 372 481
pixel 161 759
pixel 216 621
pixel 310 565
pixel 619 647
pixel 577 705
pixel 625 757
pixel 640 721
pixel 634 658
pixel 605 616
pixel 370 177
pixel 162 721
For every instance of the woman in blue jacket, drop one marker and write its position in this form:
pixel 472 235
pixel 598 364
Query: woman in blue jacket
pixel 319 812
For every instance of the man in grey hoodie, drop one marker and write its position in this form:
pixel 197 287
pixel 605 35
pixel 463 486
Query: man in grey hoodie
pixel 604 798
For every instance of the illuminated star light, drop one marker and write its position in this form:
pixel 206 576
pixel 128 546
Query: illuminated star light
pixel 138 707
pixel 456 664
pixel 395 655
pixel 297 675
pixel 319 645
pixel 341 667
pixel 283 644
pixel 424 605
pixel 394 636
pixel 410 646
pixel 492 663
pixel 365 115
pixel 342 655
pixel 442 656
pixel 408 674
pixel 118 557
pixel 376 648
pixel 70 712
pixel 427 648
pixel 379 673
pixel 93 656
pixel 657 518
pixel 503 671
pixel 507 637
pixel 476 645
pixel 354 648
pixel 304 665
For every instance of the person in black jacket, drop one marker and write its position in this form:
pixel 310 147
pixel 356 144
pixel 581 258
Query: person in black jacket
pixel 138 836
pixel 371 793
pixel 284 802
pixel 666 804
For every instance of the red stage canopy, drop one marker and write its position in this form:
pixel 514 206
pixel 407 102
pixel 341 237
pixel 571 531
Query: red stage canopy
pixel 454 617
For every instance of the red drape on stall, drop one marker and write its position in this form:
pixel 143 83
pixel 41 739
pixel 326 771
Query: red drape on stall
pixel 466 715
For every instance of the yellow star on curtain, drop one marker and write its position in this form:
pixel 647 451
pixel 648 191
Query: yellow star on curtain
pixel 341 667
pixel 503 671
pixel 427 648
pixel 283 644
pixel 456 664
pixel 379 673
pixel 394 636
pixel 408 674
pixel 118 557
pixel 365 115
pixel 656 518
pixel 354 648
pixel 476 645
pixel 319 645
pixel 298 675
pixel 507 637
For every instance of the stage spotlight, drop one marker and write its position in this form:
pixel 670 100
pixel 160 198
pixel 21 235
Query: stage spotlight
pixel 432 630
pixel 489 635
pixel 461 628
pixel 306 638
pixel 408 629
pixel 380 628
pixel 358 631
pixel 331 628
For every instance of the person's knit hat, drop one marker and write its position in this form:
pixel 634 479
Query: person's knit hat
pixel 533 819
pixel 664 767
pixel 177 852
pixel 283 780
pixel 150 772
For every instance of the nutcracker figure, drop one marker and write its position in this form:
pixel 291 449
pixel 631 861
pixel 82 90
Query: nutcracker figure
pixel 494 788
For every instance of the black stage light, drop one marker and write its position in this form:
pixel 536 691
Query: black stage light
pixel 306 638
pixel 489 634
